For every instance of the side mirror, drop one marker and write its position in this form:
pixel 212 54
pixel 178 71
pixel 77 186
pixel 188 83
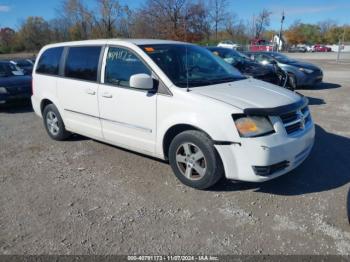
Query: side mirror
pixel 273 62
pixel 141 81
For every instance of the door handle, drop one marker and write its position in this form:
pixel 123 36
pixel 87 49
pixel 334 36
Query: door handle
pixel 90 91
pixel 107 95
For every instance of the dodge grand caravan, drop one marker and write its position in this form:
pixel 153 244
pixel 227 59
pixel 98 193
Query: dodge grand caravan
pixel 173 101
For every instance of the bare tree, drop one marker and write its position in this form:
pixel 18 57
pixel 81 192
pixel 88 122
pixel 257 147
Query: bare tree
pixel 78 18
pixel 125 22
pixel 261 22
pixel 230 25
pixel 110 10
pixel 236 29
pixel 197 24
pixel 218 14
pixel 166 16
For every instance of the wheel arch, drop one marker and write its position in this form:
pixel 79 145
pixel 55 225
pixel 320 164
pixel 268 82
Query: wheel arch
pixel 174 131
pixel 44 103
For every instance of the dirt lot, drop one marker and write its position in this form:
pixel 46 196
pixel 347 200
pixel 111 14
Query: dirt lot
pixel 85 197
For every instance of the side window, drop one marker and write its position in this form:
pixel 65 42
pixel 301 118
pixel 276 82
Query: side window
pixel 268 59
pixel 259 58
pixel 49 61
pixel 82 62
pixel 121 64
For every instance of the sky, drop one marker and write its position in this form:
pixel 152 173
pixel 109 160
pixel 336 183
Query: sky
pixel 13 12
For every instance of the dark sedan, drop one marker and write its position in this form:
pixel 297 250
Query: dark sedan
pixel 299 73
pixel 14 85
pixel 248 67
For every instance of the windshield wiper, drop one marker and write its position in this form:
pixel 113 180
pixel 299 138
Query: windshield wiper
pixel 194 83
pixel 204 82
pixel 228 79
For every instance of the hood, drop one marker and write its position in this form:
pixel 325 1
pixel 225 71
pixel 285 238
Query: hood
pixel 304 65
pixel 249 93
pixel 16 81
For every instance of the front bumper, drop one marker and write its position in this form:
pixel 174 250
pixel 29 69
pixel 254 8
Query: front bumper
pixel 5 98
pixel 239 160
pixel 310 79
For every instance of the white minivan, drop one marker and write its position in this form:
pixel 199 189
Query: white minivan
pixel 174 101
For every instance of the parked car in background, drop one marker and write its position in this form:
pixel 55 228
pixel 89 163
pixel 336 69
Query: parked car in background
pixel 307 47
pixel 321 48
pixel 174 101
pixel 297 49
pixel 26 65
pixel 250 68
pixel 14 85
pixel 299 73
pixel 260 45
pixel 228 44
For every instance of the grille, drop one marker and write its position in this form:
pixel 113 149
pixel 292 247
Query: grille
pixel 270 170
pixel 296 121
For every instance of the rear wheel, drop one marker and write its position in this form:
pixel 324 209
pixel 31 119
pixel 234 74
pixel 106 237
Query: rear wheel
pixel 54 124
pixel 194 160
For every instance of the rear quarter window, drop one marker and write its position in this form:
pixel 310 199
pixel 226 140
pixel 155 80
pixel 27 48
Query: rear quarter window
pixel 49 61
pixel 82 62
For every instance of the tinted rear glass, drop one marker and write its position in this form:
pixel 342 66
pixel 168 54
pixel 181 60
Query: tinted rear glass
pixel 49 61
pixel 23 63
pixel 82 62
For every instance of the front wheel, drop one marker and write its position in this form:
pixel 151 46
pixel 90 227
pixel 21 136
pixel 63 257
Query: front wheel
pixel 194 160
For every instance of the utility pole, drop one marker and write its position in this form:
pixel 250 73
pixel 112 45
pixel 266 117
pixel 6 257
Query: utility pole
pixel 280 34
pixel 340 44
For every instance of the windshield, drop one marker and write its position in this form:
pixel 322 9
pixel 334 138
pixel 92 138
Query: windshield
pixel 281 58
pixel 6 69
pixel 190 65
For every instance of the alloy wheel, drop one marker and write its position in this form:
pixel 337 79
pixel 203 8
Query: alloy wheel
pixel 52 123
pixel 191 161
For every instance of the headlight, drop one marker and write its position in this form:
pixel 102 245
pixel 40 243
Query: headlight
pixel 305 70
pixel 3 90
pixel 253 126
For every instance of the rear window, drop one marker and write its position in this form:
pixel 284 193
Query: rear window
pixel 23 63
pixel 82 62
pixel 49 61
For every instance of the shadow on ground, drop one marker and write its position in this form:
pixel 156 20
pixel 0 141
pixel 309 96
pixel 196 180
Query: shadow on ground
pixel 327 168
pixel 17 107
pixel 323 86
pixel 316 101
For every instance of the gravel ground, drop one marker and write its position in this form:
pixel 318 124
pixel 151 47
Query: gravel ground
pixel 85 197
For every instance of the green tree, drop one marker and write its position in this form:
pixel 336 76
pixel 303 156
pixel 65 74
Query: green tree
pixel 303 33
pixel 34 33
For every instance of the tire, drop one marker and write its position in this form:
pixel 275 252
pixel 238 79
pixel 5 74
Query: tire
pixel 54 124
pixel 292 82
pixel 191 151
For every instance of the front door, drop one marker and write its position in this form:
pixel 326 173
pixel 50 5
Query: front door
pixel 128 115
